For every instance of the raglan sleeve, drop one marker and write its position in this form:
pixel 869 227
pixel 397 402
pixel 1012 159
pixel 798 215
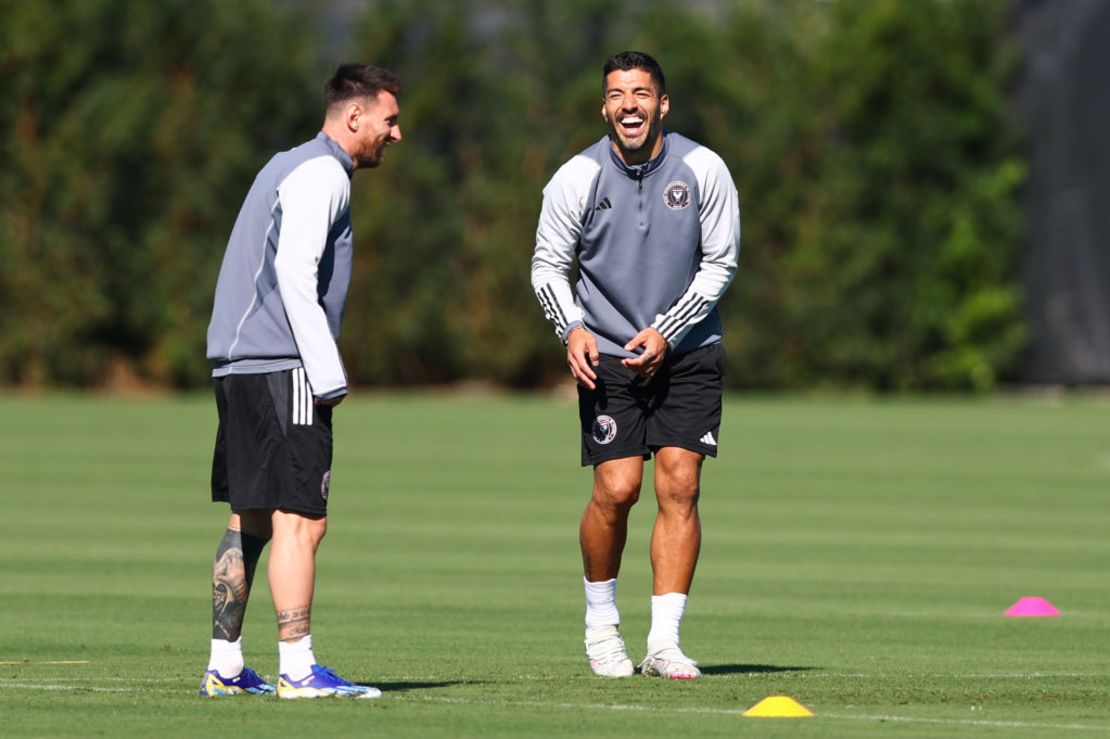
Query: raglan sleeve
pixel 312 197
pixel 719 213
pixel 557 235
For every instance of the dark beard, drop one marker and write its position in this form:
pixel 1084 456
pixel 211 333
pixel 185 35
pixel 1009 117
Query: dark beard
pixel 655 130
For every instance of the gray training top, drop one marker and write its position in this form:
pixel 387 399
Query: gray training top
pixel 284 279
pixel 656 244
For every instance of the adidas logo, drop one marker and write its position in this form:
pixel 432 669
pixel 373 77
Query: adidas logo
pixel 604 204
pixel 708 439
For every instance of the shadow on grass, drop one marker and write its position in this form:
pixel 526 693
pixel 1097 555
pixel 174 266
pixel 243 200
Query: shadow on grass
pixel 750 669
pixel 403 687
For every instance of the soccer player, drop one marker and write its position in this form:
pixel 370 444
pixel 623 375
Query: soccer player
pixel 653 221
pixel 278 375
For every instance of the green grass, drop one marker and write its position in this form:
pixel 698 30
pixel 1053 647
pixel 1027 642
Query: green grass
pixel 858 557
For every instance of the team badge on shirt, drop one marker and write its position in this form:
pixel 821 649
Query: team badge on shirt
pixel 605 429
pixel 676 195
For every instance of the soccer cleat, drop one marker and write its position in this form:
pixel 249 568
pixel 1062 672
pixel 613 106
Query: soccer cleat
pixel 668 661
pixel 605 649
pixel 216 685
pixel 322 683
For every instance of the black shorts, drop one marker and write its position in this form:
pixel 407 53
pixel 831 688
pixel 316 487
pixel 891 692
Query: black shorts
pixel 273 445
pixel 629 416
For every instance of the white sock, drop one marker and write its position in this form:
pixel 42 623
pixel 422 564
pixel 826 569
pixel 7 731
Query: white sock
pixel 601 603
pixel 226 657
pixel 666 615
pixel 296 658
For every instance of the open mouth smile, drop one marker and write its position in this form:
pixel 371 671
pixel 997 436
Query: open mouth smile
pixel 631 125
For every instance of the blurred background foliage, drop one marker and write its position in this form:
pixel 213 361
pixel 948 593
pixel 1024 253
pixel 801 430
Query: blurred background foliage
pixel 872 141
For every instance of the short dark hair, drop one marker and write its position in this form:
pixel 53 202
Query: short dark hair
pixel 627 60
pixel 359 80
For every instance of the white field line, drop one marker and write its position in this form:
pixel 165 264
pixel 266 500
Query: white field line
pixel 78 681
pixel 930 675
pixel 401 697
pixel 622 707
pixel 59 681
pixel 868 675
pixel 971 722
pixel 80 688
pixel 740 712
pixel 28 663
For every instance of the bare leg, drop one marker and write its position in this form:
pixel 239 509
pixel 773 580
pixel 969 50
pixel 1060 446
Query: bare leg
pixel 604 528
pixel 602 534
pixel 233 571
pixel 676 538
pixel 292 570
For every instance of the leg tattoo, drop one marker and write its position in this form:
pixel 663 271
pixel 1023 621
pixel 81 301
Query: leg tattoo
pixel 294 623
pixel 232 575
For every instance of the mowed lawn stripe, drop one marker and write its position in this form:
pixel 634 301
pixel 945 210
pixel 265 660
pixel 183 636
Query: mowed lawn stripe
pixel 858 556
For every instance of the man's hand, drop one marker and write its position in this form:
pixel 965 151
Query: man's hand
pixel 582 356
pixel 331 402
pixel 649 360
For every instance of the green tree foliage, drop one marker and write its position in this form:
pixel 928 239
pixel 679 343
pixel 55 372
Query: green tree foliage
pixel 901 265
pixel 879 175
pixel 870 140
pixel 445 230
pixel 131 130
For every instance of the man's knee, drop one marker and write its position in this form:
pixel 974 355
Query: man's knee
pixel 617 484
pixel 678 478
pixel 301 527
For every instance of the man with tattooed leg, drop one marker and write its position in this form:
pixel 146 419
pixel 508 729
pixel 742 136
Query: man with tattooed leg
pixel 278 375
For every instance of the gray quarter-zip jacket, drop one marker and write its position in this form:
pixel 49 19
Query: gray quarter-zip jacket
pixel 284 278
pixel 656 245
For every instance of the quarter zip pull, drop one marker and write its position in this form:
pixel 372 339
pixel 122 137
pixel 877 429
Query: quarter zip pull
pixel 640 198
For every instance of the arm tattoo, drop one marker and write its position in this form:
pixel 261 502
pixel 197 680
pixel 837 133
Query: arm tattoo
pixel 294 623
pixel 232 575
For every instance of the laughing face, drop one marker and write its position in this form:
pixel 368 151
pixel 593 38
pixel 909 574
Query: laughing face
pixel 634 110
pixel 377 128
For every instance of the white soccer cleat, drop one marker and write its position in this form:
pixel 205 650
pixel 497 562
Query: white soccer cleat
pixel 608 657
pixel 668 661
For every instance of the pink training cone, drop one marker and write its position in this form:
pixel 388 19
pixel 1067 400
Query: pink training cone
pixel 1032 607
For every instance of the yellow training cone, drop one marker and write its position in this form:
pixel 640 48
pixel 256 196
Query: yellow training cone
pixel 778 706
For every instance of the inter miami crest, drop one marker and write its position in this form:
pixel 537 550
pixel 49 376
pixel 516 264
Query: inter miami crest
pixel 677 195
pixel 605 429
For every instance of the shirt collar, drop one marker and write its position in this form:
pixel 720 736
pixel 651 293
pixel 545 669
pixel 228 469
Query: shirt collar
pixel 638 171
pixel 340 154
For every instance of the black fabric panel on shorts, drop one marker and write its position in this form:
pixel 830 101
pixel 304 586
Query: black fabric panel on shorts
pixel 686 402
pixel 271 462
pixel 278 382
pixel 310 456
pixel 612 415
pixel 308 449
pixel 627 415
pixel 219 456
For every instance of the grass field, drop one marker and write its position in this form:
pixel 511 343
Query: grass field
pixel 858 556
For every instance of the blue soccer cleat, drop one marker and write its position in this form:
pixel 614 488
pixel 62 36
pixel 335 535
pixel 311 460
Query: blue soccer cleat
pixel 323 683
pixel 216 685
